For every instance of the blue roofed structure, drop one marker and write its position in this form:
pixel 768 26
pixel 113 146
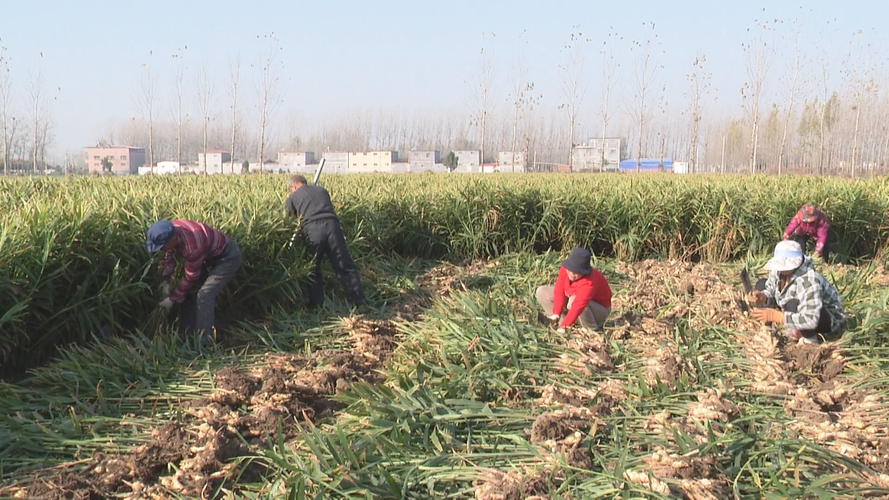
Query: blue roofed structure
pixel 647 165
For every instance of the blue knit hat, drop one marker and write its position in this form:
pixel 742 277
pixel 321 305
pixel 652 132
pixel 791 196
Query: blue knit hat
pixel 579 261
pixel 158 235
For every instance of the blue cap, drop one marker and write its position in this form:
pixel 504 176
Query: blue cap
pixel 158 235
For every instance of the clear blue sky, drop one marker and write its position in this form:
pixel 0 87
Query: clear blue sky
pixel 93 51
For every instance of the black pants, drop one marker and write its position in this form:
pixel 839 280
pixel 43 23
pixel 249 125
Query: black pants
pixel 802 239
pixel 325 237
pixel 792 306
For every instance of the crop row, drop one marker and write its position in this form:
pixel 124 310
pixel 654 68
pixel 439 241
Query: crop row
pixel 73 263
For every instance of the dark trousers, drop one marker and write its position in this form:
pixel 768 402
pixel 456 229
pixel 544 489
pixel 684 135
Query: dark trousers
pixel 792 306
pixel 802 239
pixel 199 309
pixel 325 237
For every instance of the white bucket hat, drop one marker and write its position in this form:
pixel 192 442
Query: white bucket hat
pixel 788 256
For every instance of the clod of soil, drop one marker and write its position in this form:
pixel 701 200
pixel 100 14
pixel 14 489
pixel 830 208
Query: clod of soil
pixel 497 485
pixel 557 427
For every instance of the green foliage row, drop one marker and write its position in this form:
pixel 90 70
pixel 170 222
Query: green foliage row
pixel 73 263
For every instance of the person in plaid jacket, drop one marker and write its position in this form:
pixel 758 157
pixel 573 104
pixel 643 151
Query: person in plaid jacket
pixel 798 297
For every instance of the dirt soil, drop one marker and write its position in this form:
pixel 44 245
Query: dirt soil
pixel 196 455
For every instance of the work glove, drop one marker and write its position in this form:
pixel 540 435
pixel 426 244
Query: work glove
pixel 167 304
pixel 767 314
pixel 553 317
pixel 165 289
pixel 756 298
pixel 561 329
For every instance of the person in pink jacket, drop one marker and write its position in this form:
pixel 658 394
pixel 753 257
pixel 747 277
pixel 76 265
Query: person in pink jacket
pixel 809 222
pixel 581 294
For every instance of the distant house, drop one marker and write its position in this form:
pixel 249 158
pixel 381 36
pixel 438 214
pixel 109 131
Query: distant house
pixel 588 157
pixel 296 161
pixel 122 159
pixel 335 162
pixel 213 162
pixel 371 161
pixel 647 165
pixel 511 161
pixel 422 159
pixel 162 168
pixel 468 161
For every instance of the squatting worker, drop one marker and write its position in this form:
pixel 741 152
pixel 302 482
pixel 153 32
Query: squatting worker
pixel 798 297
pixel 809 222
pixel 321 229
pixel 207 254
pixel 581 293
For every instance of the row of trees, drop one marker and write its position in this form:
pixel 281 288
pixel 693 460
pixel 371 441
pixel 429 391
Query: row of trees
pixel 802 108
pixel 24 137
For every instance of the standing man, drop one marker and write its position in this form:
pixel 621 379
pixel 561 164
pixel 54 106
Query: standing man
pixel 579 289
pixel 321 229
pixel 207 254
pixel 809 222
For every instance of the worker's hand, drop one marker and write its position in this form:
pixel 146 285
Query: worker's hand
pixel 164 289
pixel 166 304
pixel 767 314
pixel 817 257
pixel 561 329
pixel 553 317
pixel 786 236
pixel 756 298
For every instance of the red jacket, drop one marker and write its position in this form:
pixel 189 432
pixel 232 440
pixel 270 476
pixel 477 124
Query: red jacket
pixel 816 229
pixel 198 243
pixel 589 287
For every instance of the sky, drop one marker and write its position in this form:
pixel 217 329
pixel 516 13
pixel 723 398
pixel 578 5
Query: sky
pixel 93 54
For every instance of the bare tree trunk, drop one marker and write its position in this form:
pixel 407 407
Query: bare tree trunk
pixel 5 106
pixel 149 95
pixel 206 90
pixel 700 86
pixel 609 66
pixel 269 93
pixel 572 88
pixel 482 97
pixel 645 73
pixel 36 93
pixel 794 70
pixel 235 72
pixel 178 90
pixel 760 52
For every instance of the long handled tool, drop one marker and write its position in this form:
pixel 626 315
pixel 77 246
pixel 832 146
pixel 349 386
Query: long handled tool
pixel 318 171
pixel 745 281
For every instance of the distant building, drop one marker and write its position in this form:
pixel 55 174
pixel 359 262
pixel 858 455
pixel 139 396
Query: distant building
pixel 647 165
pixel 421 159
pixel 123 159
pixel 335 162
pixel 296 161
pixel 588 157
pixel 509 161
pixel 213 162
pixel 371 161
pixel 468 161
pixel 680 167
pixel 162 168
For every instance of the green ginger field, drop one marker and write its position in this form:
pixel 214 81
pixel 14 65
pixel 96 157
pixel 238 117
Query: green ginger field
pixel 444 385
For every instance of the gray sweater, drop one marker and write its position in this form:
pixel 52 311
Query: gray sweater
pixel 310 203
